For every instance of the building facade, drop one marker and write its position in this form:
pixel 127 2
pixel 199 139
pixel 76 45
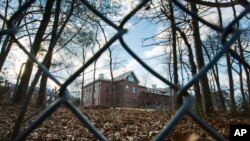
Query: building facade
pixel 124 91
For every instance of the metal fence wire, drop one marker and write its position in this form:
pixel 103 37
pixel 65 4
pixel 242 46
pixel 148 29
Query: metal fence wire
pixel 229 36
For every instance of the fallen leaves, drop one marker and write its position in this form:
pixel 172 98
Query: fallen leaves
pixel 124 125
pixel 182 137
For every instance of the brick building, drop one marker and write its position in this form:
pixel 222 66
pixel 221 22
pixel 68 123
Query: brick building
pixel 126 91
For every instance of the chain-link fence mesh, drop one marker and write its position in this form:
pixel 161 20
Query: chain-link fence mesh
pixel 229 36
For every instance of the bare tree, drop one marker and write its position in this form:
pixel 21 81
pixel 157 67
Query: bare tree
pixel 55 35
pixel 205 89
pixel 22 89
pixel 240 47
pixel 7 41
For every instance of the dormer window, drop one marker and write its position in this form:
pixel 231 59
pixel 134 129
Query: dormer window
pixel 133 90
pixel 130 78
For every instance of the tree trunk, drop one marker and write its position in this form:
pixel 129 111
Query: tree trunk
pixel 24 107
pixel 3 21
pixel 42 91
pixel 244 101
pixel 175 67
pixel 5 50
pixel 93 87
pixel 7 41
pixel 47 60
pixel 218 94
pixel 217 78
pixel 7 44
pixel 18 79
pixel 193 68
pixel 205 90
pixel 248 83
pixel 231 83
pixel 82 88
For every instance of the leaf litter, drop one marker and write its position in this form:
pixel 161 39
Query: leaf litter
pixel 123 125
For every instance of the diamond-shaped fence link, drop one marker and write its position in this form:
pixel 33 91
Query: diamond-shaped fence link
pixel 185 100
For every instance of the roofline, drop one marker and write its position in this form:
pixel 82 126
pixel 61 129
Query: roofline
pixel 97 80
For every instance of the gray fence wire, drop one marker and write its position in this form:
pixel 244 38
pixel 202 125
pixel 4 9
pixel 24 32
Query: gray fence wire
pixel 229 36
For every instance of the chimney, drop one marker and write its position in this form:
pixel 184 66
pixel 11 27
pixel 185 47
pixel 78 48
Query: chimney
pixel 154 86
pixel 101 76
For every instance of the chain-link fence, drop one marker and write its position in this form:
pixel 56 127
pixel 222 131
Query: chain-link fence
pixel 229 36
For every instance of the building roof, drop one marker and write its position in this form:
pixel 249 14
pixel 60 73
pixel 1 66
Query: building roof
pixel 118 78
pixel 125 75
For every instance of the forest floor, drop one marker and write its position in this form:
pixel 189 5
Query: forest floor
pixel 128 125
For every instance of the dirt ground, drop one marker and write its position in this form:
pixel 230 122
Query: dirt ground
pixel 120 124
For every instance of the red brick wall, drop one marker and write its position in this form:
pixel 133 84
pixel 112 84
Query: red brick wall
pixel 105 92
pixel 88 90
pixel 152 100
pixel 128 94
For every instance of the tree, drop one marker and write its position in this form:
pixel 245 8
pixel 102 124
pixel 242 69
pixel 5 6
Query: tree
pixel 205 89
pixel 24 82
pixel 7 41
pixel 55 35
pixel 213 44
pixel 174 46
pixel 239 45
pixel 193 67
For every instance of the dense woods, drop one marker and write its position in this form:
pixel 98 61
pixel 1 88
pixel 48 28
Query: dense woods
pixel 63 35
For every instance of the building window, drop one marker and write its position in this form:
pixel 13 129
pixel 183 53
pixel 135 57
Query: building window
pixel 131 78
pixel 118 88
pixel 128 88
pixel 133 90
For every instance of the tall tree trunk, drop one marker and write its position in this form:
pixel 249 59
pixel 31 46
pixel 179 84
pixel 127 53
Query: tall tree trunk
pixel 7 41
pixel 175 65
pixel 48 58
pixel 244 102
pixel 240 65
pixel 82 89
pixel 5 50
pixel 24 107
pixel 24 83
pixel 231 83
pixel 218 94
pixel 193 68
pixel 3 21
pixel 205 90
pixel 170 78
pixel 248 83
pixel 18 79
pixel 219 99
pixel 83 77
pixel 7 44
pixel 93 86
